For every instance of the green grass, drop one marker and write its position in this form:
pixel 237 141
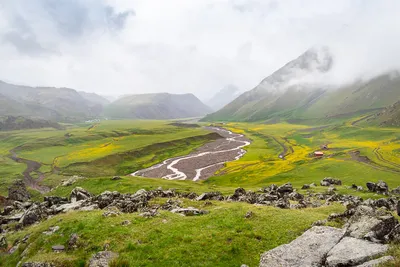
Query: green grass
pixel 221 238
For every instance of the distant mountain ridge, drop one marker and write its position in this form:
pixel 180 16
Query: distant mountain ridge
pixel 299 91
pixel 156 106
pixel 223 97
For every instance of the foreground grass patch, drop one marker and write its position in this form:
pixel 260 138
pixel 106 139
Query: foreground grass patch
pixel 221 238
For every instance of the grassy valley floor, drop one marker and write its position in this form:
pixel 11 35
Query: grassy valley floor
pixel 279 153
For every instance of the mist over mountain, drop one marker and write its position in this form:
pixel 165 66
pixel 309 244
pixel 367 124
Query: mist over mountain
pixel 156 106
pixel 223 97
pixel 303 89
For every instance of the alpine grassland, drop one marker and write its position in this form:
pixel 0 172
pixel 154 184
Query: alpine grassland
pixel 278 153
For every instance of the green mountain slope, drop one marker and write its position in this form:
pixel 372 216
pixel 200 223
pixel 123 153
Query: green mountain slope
pixel 288 93
pixel 388 117
pixel 60 104
pixel 156 106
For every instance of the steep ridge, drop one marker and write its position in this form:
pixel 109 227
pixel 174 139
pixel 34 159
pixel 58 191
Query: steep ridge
pixel 157 106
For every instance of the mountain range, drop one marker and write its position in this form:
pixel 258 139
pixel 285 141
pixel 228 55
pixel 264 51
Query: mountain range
pixel 298 91
pixel 69 105
pixel 157 106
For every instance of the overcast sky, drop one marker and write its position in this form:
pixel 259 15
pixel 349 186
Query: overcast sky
pixel 118 47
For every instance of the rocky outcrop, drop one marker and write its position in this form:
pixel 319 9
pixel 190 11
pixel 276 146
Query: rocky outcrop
pixel 328 181
pixel 310 249
pixel 380 187
pixel 78 194
pixel 352 251
pixel 102 259
pixel 18 192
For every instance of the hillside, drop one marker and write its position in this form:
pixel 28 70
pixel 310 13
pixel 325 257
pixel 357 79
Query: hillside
pixel 11 123
pixel 156 106
pixel 94 98
pixel 389 116
pixel 223 97
pixel 59 104
pixel 297 91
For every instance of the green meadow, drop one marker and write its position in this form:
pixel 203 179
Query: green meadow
pixel 354 154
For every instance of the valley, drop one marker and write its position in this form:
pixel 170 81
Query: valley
pixel 191 159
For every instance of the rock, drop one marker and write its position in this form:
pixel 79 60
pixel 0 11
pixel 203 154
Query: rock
pixel 354 186
pixel 37 264
pixel 282 203
pixel 331 189
pixel 7 210
pixel 381 187
pixel 140 192
pixel 244 265
pixel 360 188
pixel 320 223
pixel 125 223
pixel 70 206
pixel 73 241
pixel 307 250
pixel 102 259
pixel 285 189
pixel 313 185
pixel 190 211
pixel 210 196
pixel 369 223
pixel 78 193
pixel 34 214
pixel 149 213
pixel 3 242
pixel 248 214
pixel 171 204
pixel 112 212
pixel 115 178
pixel 306 186
pixel 58 248
pixel 295 196
pixel 18 192
pixel 54 200
pixel 396 190
pixel 351 251
pixel 377 262
pixel 52 230
pixel 327 181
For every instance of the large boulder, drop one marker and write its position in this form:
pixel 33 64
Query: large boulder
pixel 285 189
pixel 380 187
pixel 328 181
pixel 370 223
pixel 310 249
pixel 18 192
pixel 34 214
pixel 78 193
pixel 352 251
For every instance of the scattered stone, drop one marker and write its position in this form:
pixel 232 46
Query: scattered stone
pixel 52 230
pixel 331 189
pixel 282 203
pixel 18 192
pixel 102 259
pixel 360 188
pixel 71 180
pixel 377 262
pixel 381 187
pixel 115 178
pixel 351 251
pixel 3 242
pixel 190 211
pixel 285 189
pixel 320 223
pixel 34 214
pixel 396 190
pixel 58 248
pixel 149 213
pixel 327 181
pixel 125 223
pixel 307 250
pixel 78 193
pixel 210 196
pixel 73 241
pixel 249 214
pixel 306 186
pixel 37 264
pixel 111 212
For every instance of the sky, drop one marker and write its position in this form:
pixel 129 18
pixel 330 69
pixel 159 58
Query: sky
pixel 117 47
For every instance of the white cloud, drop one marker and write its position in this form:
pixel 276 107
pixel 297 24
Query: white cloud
pixel 199 46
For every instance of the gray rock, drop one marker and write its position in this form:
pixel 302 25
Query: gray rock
pixel 306 186
pixel 140 192
pixel 102 259
pixel 34 214
pixel 73 241
pixel 125 223
pixel 285 189
pixel 58 248
pixel 248 214
pixel 210 196
pixel 70 206
pixel 115 178
pixel 190 211
pixel 377 262
pixel 111 212
pixel 18 192
pixel 327 181
pixel 307 250
pixel 78 193
pixel 52 230
pixel 3 242
pixel 352 251
pixel 37 264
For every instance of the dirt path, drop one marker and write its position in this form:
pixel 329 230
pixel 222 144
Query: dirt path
pixel 355 155
pixel 31 166
pixel 203 163
pixel 381 158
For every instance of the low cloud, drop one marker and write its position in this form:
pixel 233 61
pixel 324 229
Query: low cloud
pixel 124 46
